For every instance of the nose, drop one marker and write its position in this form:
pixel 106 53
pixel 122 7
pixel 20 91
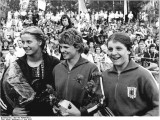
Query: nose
pixel 62 49
pixel 114 52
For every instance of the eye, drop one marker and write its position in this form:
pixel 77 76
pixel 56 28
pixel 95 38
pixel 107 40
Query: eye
pixel 110 49
pixel 29 42
pixel 66 47
pixel 119 48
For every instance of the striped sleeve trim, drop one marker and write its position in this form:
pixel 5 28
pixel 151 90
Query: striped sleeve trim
pixel 2 104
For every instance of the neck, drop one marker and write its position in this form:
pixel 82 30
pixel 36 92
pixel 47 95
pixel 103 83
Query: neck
pixel 73 61
pixel 120 68
pixel 12 54
pixel 36 57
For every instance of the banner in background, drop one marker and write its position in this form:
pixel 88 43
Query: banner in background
pixel 125 8
pixel 42 4
pixel 82 6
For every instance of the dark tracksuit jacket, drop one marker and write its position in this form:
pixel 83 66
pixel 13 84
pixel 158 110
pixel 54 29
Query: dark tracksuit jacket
pixel 67 86
pixel 133 92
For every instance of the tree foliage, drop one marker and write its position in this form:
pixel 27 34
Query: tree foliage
pixel 13 4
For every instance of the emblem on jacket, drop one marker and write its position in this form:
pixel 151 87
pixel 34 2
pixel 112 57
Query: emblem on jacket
pixel 131 92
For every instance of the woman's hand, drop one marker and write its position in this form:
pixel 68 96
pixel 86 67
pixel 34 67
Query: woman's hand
pixel 73 110
pixel 19 112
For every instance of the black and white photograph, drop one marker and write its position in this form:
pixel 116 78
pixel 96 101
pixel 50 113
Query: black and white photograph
pixel 79 58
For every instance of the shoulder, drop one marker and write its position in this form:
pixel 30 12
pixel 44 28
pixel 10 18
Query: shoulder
pixel 59 68
pixel 90 66
pixel 54 59
pixel 147 78
pixel 51 59
pixel 144 74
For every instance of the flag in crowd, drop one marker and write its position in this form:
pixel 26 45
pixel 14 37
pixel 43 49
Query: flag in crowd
pixel 42 4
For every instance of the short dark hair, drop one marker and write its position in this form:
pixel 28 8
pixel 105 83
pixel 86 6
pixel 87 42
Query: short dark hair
pixel 11 45
pixel 122 38
pixel 152 45
pixel 98 46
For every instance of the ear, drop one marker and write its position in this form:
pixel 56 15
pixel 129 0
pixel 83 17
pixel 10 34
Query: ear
pixel 40 42
pixel 77 47
pixel 129 52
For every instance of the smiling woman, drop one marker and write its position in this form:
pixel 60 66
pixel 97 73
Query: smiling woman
pixel 71 46
pixel 119 48
pixel 27 79
pixel 130 89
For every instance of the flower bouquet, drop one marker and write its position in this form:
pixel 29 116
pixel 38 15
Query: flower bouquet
pixel 100 108
pixel 17 90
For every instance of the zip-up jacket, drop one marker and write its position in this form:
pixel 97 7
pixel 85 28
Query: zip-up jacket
pixel 133 92
pixel 66 81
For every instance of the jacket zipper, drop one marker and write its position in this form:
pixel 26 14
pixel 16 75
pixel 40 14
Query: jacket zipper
pixel 116 86
pixel 67 83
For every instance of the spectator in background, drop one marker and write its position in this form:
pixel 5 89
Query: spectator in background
pixel 157 44
pixel 11 56
pixel 87 55
pixel 35 18
pixel 92 48
pixel 130 17
pixel 5 45
pixel 149 41
pixel 151 57
pixel 139 51
pixel 1 32
pixel 99 58
pixel 66 23
pixel 19 48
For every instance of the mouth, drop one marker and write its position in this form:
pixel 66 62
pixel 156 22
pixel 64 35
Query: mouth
pixel 115 58
pixel 64 54
pixel 26 50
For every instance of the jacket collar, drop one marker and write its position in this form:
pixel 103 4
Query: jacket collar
pixel 80 62
pixel 131 65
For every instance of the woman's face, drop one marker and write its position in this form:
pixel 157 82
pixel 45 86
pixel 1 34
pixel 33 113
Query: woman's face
pixel 68 51
pixel 20 44
pixel 98 50
pixel 141 45
pixel 135 42
pixel 118 53
pixel 30 44
pixel 11 50
pixel 157 42
pixel 91 45
pixel 5 43
pixel 65 22
pixel 152 49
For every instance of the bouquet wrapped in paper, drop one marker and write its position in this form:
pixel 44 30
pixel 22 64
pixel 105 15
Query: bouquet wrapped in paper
pixel 100 107
pixel 17 90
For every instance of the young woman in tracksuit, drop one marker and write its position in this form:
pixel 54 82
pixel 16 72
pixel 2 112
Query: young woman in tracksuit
pixel 66 73
pixel 130 89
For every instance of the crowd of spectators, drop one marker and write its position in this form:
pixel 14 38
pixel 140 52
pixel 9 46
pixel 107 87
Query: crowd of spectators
pixel 95 28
